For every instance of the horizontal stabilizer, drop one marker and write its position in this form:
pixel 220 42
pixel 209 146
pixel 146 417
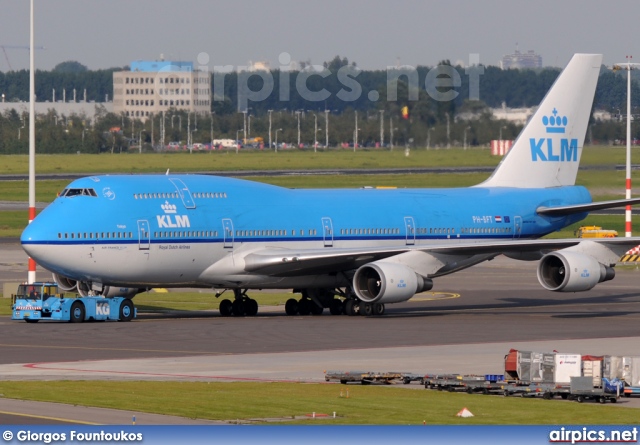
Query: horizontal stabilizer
pixel 590 207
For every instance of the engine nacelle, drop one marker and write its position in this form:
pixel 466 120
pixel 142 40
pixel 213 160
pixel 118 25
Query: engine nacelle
pixel 64 283
pixel 566 271
pixel 85 288
pixel 115 291
pixel 384 282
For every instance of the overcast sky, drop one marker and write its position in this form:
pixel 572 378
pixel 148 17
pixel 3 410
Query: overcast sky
pixel 374 34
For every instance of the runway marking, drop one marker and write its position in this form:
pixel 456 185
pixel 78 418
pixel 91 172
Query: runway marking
pixel 154 374
pixel 435 296
pixel 112 349
pixel 57 419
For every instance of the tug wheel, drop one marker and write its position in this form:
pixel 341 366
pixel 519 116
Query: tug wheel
pixel 77 312
pixel 126 310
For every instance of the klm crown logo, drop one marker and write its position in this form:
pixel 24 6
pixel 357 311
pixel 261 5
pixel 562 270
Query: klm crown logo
pixel 555 123
pixel 552 149
pixel 169 208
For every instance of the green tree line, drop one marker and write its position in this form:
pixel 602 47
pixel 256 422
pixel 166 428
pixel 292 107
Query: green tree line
pixel 431 122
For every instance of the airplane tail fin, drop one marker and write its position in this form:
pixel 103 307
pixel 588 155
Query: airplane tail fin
pixel 547 151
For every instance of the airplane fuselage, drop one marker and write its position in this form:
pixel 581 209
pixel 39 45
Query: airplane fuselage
pixel 195 230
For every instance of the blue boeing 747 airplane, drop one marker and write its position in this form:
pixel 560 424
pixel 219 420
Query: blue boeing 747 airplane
pixel 352 251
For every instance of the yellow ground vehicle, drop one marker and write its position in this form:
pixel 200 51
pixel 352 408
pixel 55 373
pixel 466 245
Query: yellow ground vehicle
pixel 595 232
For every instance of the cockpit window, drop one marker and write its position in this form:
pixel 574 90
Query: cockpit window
pixel 67 193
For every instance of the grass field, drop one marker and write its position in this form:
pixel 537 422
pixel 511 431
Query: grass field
pixel 282 160
pixel 366 405
pixel 245 160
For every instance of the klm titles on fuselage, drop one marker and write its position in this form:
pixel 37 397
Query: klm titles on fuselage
pixel 170 220
pixel 544 149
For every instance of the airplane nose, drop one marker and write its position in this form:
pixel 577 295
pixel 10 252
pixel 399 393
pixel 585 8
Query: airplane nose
pixel 30 232
pixel 32 235
pixel 28 235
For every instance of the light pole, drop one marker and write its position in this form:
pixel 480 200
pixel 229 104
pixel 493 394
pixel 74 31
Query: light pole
pixel 31 277
pixel 270 111
pixel 355 137
pixel 391 132
pixel 448 132
pixel 189 142
pixel 238 140
pixel 172 116
pixel 279 129
pixel 381 128
pixel 298 115
pixel 315 133
pixel 501 128
pixel 429 137
pixel 249 127
pixel 20 128
pixel 464 144
pixel 628 66
pixel 212 113
pixel 244 134
pixel 162 132
pixel 326 128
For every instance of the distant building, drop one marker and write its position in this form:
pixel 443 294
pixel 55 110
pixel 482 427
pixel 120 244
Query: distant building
pixel 259 66
pixel 88 110
pixel 155 86
pixel 518 116
pixel 521 60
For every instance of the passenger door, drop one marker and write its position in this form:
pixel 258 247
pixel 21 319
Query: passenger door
pixel 517 226
pixel 327 232
pixel 144 237
pixel 410 230
pixel 227 233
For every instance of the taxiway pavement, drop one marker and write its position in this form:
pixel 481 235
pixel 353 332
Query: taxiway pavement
pixel 465 325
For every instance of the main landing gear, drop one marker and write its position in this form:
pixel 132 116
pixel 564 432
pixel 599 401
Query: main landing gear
pixel 241 305
pixel 314 301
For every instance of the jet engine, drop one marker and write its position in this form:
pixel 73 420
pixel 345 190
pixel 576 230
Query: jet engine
pixel 64 283
pixel 384 282
pixel 85 288
pixel 566 271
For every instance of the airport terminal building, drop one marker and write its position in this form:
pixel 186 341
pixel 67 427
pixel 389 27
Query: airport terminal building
pixel 151 87
pixel 519 60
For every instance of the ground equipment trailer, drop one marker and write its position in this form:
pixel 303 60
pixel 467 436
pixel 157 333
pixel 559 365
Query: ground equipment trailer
pixel 41 301
pixel 582 389
pixel 486 384
pixel 368 377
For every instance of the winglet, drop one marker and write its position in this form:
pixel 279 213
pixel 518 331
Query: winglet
pixel 547 151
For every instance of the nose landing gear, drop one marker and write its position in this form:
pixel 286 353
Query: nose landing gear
pixel 241 305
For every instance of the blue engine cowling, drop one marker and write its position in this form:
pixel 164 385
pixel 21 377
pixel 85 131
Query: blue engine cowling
pixel 385 282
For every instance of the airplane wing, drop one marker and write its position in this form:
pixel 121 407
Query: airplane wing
pixel 288 262
pixel 581 208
